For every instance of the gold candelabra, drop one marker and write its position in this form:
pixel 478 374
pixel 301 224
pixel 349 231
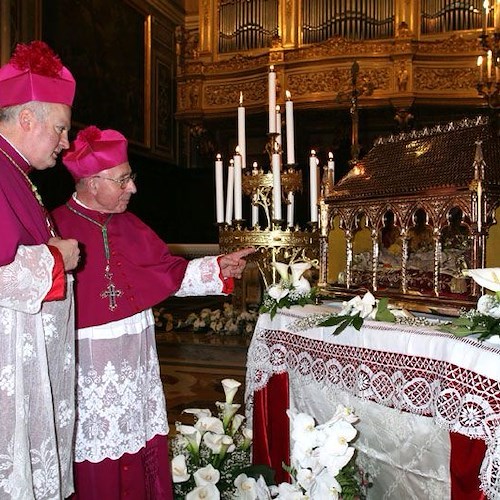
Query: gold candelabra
pixel 275 240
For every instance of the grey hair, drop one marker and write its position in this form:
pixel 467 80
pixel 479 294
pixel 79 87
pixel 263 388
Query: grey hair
pixel 39 109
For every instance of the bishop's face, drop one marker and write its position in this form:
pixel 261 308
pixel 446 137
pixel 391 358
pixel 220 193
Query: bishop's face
pixel 112 188
pixel 48 136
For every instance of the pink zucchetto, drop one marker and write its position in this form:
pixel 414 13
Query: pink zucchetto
pixel 35 73
pixel 93 151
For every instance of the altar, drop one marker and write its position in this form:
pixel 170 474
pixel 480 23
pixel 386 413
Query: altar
pixel 419 393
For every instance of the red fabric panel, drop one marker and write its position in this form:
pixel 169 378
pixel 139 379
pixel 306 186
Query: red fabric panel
pixel 144 475
pixel 58 289
pixel 465 464
pixel 271 426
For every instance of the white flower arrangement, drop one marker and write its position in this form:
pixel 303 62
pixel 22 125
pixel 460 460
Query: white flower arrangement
pixel 291 289
pixel 225 321
pixel 484 320
pixel 209 456
pixel 322 461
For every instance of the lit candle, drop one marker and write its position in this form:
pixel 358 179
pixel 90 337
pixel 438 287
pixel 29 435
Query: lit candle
pixel 238 197
pixel 278 125
pixel 331 168
pixel 496 9
pixel 219 194
pixel 276 169
pixel 480 67
pixel 230 192
pixel 241 133
pixel 497 70
pixel 489 61
pixel 486 7
pixel 313 185
pixel 272 100
pixel 290 135
pixel 290 209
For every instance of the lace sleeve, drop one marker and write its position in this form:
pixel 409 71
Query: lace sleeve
pixel 202 277
pixel 26 281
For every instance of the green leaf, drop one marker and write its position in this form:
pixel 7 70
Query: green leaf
pixel 383 313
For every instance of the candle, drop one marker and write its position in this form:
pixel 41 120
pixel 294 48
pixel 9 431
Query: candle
pixel 241 133
pixel 497 70
pixel 489 60
pixel 331 168
pixel 219 194
pixel 313 185
pixel 276 169
pixel 278 125
pixel 479 205
pixel 290 209
pixel 290 135
pixel 230 192
pixel 496 9
pixel 480 67
pixel 272 100
pixel 486 7
pixel 255 207
pixel 238 197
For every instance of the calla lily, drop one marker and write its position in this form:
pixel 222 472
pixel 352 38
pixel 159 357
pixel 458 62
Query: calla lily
pixel 302 286
pixel 236 423
pixel 246 487
pixel 228 412
pixel 488 277
pixel 211 424
pixel 277 292
pixel 206 475
pixel 230 387
pixel 179 469
pixel 205 492
pixel 489 305
pixel 248 435
pixel 198 412
pixel 192 436
pixel 297 270
pixel 282 270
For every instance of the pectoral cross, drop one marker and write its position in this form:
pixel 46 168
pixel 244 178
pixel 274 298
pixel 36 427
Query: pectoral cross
pixel 111 292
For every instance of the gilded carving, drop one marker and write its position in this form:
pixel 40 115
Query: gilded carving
pixel 331 81
pixel 455 44
pixel 445 79
pixel 237 63
pixel 228 94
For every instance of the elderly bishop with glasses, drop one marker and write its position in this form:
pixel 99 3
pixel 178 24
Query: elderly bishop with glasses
pixel 121 434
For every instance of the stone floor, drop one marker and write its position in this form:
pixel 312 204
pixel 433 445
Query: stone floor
pixel 192 365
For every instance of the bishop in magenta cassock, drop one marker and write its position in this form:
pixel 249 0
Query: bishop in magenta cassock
pixel 121 444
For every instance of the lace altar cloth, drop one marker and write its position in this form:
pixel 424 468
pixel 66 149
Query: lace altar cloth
pixel 419 370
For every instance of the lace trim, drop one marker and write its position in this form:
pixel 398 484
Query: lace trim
pixel 202 278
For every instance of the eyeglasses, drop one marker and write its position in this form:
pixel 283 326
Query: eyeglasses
pixel 123 182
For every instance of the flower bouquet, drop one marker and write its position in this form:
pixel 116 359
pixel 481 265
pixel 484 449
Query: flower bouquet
pixel 210 455
pixel 484 320
pixel 291 289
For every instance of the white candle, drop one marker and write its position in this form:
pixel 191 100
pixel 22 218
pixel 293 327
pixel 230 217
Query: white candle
pixel 255 208
pixel 290 134
pixel 241 133
pixel 230 192
pixel 479 206
pixel 331 168
pixel 278 125
pixel 276 169
pixel 238 197
pixel 486 7
pixel 489 60
pixel 313 185
pixel 219 194
pixel 480 67
pixel 272 100
pixel 290 209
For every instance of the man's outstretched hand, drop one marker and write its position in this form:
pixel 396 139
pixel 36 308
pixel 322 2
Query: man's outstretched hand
pixel 233 264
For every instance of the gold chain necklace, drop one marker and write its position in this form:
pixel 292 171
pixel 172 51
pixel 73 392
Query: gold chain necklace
pixel 34 190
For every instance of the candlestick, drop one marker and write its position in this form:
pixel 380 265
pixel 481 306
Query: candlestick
pixel 331 168
pixel 290 133
pixel 290 208
pixel 278 124
pixel 272 100
pixel 230 192
pixel 313 185
pixel 238 193
pixel 219 194
pixel 242 133
pixel 276 169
